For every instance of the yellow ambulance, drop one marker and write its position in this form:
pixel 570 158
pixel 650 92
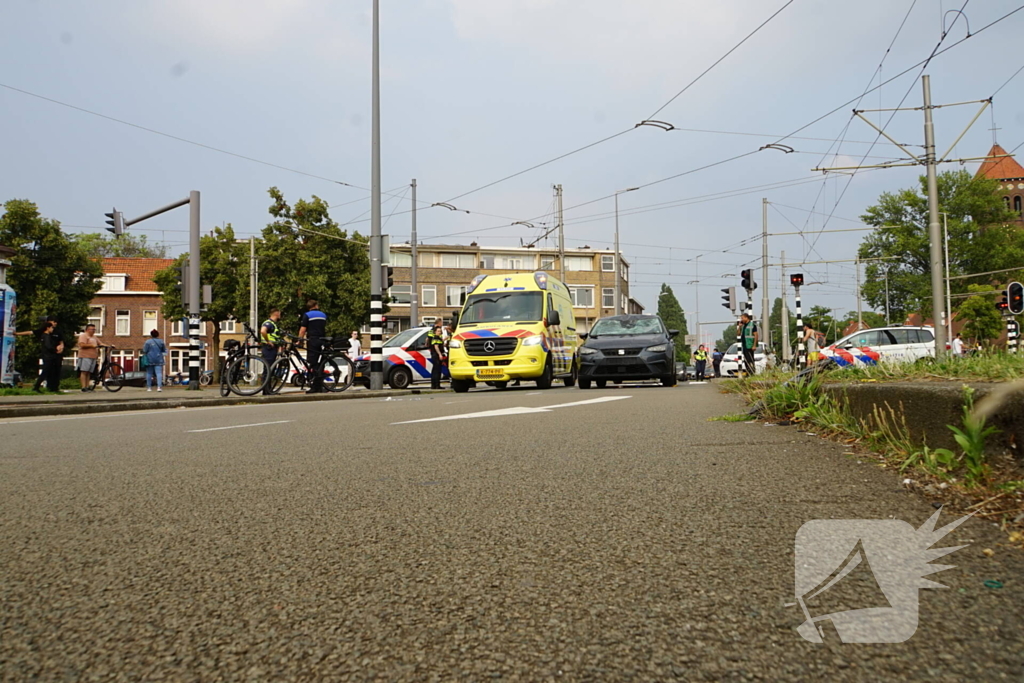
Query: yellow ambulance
pixel 514 326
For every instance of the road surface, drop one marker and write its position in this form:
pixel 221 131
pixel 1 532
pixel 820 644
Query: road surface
pixel 609 534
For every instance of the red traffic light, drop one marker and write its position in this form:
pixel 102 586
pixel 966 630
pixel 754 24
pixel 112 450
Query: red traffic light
pixel 1015 298
pixel 796 279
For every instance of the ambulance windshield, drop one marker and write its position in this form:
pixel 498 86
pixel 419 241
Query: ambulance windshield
pixel 500 307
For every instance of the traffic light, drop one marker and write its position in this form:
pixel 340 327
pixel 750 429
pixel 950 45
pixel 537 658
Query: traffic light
pixel 1004 304
pixel 183 283
pixel 796 279
pixel 1015 296
pixel 729 298
pixel 116 222
pixel 748 279
pixel 387 278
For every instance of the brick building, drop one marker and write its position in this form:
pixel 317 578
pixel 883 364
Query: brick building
pixel 1004 169
pixel 444 272
pixel 128 307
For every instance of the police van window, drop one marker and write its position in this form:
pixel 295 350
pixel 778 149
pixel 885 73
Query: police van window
pixel 901 336
pixel 865 338
pixel 493 307
pixel 927 336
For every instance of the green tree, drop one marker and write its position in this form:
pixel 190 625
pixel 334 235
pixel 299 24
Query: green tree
pixel 981 239
pixel 671 313
pixel 727 339
pixel 775 325
pixel 51 275
pixel 305 255
pixel 223 266
pixel 97 245
pixel 982 321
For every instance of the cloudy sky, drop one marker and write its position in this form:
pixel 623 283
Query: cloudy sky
pixel 476 90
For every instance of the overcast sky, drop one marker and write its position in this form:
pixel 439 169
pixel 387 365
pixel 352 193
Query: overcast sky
pixel 475 90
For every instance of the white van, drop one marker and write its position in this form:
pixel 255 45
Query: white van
pixel 732 360
pixel 883 344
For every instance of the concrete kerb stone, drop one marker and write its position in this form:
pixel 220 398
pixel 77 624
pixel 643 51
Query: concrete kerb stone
pixel 929 407
pixel 79 408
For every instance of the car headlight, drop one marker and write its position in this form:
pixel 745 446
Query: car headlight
pixel 534 340
pixel 587 351
pixel 454 344
pixel 658 348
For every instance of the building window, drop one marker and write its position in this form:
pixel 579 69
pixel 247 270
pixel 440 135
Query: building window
pixel 579 263
pixel 400 259
pixel 608 263
pixel 608 297
pixel 401 295
pixel 454 295
pixel 113 283
pixel 429 296
pixel 1006 200
pixel 547 262
pixel 149 322
pixel 458 260
pixel 179 361
pixel 176 328
pixel 228 326
pixel 122 323
pixel 506 262
pixel 582 297
pixel 623 270
pixel 1016 203
pixel 96 318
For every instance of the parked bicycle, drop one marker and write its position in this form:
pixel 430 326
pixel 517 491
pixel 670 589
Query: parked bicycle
pixel 235 351
pixel 108 373
pixel 334 365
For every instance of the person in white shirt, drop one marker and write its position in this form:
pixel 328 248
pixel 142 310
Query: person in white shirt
pixel 354 348
pixel 958 346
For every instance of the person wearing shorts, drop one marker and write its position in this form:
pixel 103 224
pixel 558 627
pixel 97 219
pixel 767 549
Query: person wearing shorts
pixel 88 354
pixel 811 340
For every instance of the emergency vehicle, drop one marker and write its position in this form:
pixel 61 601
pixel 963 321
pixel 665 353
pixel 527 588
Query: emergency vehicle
pixel 882 344
pixel 406 360
pixel 514 326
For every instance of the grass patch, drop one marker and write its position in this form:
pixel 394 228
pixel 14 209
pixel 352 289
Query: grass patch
pixel 25 391
pixel 738 417
pixel 982 367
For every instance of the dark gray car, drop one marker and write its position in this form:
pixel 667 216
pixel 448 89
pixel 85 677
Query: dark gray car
pixel 628 347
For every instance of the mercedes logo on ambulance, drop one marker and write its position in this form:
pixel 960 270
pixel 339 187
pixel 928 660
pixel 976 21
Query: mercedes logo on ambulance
pixel 489 346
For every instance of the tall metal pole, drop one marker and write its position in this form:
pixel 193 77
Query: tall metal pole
pixel 376 303
pixel 887 294
pixel 949 299
pixel 194 302
pixel 934 227
pixel 801 359
pixel 860 312
pixel 414 302
pixel 765 310
pixel 786 353
pixel 561 236
pixel 696 296
pixel 253 293
pixel 618 268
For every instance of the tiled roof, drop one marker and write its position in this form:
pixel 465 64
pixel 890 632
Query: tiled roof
pixel 140 271
pixel 1000 169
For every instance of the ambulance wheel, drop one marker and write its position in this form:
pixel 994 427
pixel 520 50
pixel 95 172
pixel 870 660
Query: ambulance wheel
pixel 400 377
pixel 545 380
pixel 461 386
pixel 570 381
pixel 584 383
pixel 602 383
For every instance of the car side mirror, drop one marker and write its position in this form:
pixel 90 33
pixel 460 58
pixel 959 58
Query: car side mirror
pixel 848 345
pixel 553 319
pixel 673 333
pixel 582 335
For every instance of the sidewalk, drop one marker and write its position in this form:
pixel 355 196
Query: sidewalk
pixel 135 398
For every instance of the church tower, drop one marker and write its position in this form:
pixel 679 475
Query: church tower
pixel 1005 170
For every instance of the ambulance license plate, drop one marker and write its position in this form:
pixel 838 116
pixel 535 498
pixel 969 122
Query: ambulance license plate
pixel 490 372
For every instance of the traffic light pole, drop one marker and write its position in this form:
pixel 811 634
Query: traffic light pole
pixel 934 226
pixel 376 303
pixel 801 359
pixel 414 299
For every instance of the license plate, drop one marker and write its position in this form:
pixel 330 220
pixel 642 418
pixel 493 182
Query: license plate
pixel 490 372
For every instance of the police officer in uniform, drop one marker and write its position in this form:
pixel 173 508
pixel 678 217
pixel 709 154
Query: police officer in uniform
pixel 313 328
pixel 435 338
pixel 700 357
pixel 271 336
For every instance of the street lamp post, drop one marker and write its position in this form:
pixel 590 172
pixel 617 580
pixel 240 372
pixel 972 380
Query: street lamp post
pixel 949 299
pixel 618 265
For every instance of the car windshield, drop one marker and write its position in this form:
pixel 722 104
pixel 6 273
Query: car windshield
pixel 403 338
pixel 625 327
pixel 499 307
pixel 735 348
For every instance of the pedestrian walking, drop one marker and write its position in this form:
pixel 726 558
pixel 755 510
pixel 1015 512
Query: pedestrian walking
pixel 749 337
pixel 435 338
pixel 811 339
pixel 51 355
pixel 153 352
pixel 700 359
pixel 958 345
pixel 88 353
pixel 355 348
pixel 271 338
pixel 716 362
pixel 313 328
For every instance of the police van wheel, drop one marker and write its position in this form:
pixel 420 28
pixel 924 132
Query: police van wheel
pixel 400 378
pixel 570 381
pixel 461 386
pixel 545 380
pixel 584 383
pixel 602 383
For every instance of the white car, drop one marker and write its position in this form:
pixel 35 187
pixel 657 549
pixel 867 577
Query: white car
pixel 882 344
pixel 732 360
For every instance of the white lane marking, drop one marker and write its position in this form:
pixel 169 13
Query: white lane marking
pixel 132 413
pixel 535 393
pixel 519 410
pixel 257 424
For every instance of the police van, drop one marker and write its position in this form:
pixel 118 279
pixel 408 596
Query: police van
pixel 518 326
pixel 406 360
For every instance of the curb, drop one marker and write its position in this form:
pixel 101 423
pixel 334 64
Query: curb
pixel 81 408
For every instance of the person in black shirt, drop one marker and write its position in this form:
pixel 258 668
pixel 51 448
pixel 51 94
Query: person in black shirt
pixel 53 347
pixel 313 328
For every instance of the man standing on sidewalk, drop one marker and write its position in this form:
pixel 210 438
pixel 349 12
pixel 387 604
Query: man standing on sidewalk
pixel 270 335
pixel 53 348
pixel 749 338
pixel 313 327
pixel 88 353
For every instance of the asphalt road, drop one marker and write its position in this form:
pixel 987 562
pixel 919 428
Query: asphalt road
pixel 621 537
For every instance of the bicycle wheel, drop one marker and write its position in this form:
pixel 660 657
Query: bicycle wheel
pixel 205 379
pixel 247 375
pixel 338 373
pixel 279 374
pixel 113 379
